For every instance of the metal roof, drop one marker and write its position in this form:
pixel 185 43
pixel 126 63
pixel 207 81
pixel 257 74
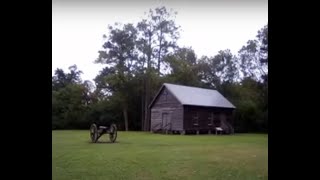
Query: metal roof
pixel 198 96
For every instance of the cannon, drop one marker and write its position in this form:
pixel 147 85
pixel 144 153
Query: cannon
pixel 96 131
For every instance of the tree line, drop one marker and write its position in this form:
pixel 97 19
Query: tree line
pixel 139 58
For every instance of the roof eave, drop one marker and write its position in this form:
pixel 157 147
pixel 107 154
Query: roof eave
pixel 233 107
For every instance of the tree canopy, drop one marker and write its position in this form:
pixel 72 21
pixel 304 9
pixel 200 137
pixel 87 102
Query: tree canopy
pixel 138 58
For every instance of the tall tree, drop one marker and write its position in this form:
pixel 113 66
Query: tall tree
pixel 62 79
pixel 219 69
pixel 263 41
pixel 119 52
pixel 70 99
pixel 157 35
pixel 184 68
pixel 254 56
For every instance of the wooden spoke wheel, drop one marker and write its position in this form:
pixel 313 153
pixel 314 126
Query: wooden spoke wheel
pixel 113 133
pixel 94 133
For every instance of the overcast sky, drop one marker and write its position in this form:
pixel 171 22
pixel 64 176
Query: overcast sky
pixel 207 26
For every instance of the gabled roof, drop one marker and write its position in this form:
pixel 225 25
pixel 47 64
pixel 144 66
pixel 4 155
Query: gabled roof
pixel 194 96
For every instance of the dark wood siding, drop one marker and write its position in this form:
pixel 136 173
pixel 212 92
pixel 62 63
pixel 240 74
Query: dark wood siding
pixel 187 117
pixel 167 103
pixel 204 118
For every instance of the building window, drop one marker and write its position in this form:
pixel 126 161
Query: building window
pixel 195 118
pixel 229 117
pixel 216 120
pixel 210 119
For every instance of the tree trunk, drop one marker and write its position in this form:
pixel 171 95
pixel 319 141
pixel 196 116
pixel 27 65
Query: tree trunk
pixel 147 97
pixel 146 110
pixel 159 53
pixel 142 106
pixel 125 115
pixel 159 59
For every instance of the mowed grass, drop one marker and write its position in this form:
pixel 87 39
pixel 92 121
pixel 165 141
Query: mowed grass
pixel 142 155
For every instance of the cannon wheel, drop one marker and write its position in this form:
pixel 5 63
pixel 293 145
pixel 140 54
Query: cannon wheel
pixel 94 133
pixel 113 133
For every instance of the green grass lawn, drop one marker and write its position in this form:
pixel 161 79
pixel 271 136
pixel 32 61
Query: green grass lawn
pixel 141 155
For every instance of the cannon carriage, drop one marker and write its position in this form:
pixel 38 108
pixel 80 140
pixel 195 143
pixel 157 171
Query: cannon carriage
pixel 96 131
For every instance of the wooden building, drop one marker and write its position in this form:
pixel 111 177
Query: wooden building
pixel 184 109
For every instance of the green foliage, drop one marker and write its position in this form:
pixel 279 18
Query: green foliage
pixel 219 69
pixel 251 112
pixel 68 107
pixel 103 112
pixel 132 55
pixel 71 99
pixel 253 58
pixel 158 36
pixel 184 67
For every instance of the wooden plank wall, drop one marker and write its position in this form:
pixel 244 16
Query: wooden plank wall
pixel 167 103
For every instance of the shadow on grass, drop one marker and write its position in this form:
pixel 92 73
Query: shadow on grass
pixel 104 142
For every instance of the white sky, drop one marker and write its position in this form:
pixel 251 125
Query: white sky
pixel 78 26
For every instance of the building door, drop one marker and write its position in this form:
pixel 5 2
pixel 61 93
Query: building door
pixel 165 120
